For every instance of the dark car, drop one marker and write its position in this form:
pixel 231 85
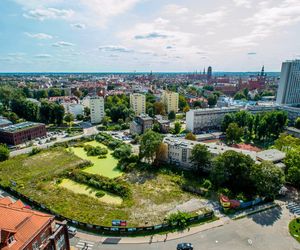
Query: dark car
pixel 185 246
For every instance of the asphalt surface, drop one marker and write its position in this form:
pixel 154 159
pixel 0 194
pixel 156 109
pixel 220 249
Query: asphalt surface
pixel 265 230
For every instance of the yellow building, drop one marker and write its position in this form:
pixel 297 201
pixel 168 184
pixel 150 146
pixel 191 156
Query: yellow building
pixel 138 103
pixel 170 99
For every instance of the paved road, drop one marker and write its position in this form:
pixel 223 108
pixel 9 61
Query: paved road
pixel 265 230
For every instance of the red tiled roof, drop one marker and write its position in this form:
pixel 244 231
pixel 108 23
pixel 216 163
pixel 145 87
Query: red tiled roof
pixel 24 223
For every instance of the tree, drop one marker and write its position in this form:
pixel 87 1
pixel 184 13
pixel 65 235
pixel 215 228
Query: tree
pixel 159 108
pixel 4 152
pixel 239 96
pixel 246 92
pixel 190 136
pixel 286 142
pixel 234 133
pixel 212 100
pixel 267 179
pixel 86 111
pixel 78 93
pixel 180 219
pixel 150 143
pixel 69 118
pixel 122 152
pixel 186 109
pixel 292 162
pixel 156 128
pixel 201 158
pixel 172 115
pixel 182 103
pixel 232 170
pixel 177 128
pixel 228 118
pixel 297 123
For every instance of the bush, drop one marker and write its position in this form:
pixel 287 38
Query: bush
pixel 207 184
pixel 35 151
pixel 100 194
pixel 4 152
pixel 179 219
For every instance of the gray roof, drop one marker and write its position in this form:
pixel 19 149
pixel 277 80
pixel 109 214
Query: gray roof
pixel 273 155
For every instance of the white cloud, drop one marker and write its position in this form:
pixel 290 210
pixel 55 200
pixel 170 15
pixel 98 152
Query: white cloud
pixel 63 44
pixel 38 35
pixel 243 3
pixel 212 17
pixel 42 14
pixel 80 26
pixel 43 56
pixel 174 9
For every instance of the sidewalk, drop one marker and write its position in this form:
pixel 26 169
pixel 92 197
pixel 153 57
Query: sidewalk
pixel 155 238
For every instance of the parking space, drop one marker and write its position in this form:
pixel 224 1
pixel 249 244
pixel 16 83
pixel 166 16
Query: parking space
pixel 294 207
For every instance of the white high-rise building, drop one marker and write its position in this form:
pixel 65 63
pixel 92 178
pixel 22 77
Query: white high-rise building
pixel 289 86
pixel 171 100
pixel 138 103
pixel 97 109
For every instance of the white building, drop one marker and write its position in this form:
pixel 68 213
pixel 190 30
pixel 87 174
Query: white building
pixel 97 108
pixel 74 108
pixel 204 119
pixel 138 103
pixel 171 101
pixel 289 86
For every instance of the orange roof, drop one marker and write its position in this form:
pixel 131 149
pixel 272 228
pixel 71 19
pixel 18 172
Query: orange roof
pixel 24 223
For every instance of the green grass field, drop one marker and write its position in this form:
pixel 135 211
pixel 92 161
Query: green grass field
pixel 84 189
pixel 105 167
pixel 294 228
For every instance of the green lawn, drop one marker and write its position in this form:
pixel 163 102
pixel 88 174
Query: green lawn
pixel 106 167
pixel 294 228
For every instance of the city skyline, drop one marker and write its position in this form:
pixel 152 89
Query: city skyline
pixel 142 35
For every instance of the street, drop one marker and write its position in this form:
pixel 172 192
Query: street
pixel 264 230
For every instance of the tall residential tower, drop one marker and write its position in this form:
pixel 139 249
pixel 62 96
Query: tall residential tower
pixel 138 103
pixel 289 86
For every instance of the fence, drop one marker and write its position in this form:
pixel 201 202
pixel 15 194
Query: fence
pixel 106 230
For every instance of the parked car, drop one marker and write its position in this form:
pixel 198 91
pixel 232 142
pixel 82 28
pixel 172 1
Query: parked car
pixel 72 230
pixel 185 246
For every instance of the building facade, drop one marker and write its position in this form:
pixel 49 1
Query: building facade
pixel 22 132
pixel 24 228
pixel 289 86
pixel 205 119
pixel 141 124
pixel 170 99
pixel 138 103
pixel 97 109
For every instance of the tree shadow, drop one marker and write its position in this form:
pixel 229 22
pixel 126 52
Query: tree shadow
pixel 268 217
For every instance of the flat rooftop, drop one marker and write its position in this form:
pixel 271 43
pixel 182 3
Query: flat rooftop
pixel 272 155
pixel 19 126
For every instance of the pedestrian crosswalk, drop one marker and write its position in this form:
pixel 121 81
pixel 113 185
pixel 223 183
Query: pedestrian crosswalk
pixel 85 245
pixel 294 207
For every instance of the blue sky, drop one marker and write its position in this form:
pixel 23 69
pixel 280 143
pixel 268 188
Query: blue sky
pixel 144 35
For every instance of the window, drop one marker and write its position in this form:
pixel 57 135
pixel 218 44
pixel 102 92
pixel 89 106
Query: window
pixel 11 239
pixel 35 245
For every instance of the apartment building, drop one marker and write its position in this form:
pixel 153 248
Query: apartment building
pixel 170 99
pixel 97 109
pixel 141 124
pixel 205 119
pixel 289 86
pixel 138 103
pixel 24 228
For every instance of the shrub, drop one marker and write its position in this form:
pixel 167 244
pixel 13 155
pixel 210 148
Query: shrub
pixel 100 194
pixel 207 184
pixel 179 219
pixel 35 151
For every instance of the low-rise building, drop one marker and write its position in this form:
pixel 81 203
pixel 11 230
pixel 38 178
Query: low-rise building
pixel 164 124
pixel 22 132
pixel 24 228
pixel 4 122
pixel 141 124
pixel 293 131
pixel 205 119
pixel 138 103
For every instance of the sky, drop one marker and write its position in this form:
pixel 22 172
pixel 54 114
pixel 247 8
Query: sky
pixel 147 35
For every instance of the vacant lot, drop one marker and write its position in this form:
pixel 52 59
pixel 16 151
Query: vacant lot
pixel 40 176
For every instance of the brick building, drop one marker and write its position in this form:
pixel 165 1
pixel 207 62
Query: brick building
pixel 21 132
pixel 23 228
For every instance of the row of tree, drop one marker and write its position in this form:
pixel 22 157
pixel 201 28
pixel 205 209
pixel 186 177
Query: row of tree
pixel 262 127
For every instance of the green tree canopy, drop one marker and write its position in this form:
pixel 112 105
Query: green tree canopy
pixel 4 152
pixel 234 133
pixel 267 179
pixel 150 143
pixel 201 158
